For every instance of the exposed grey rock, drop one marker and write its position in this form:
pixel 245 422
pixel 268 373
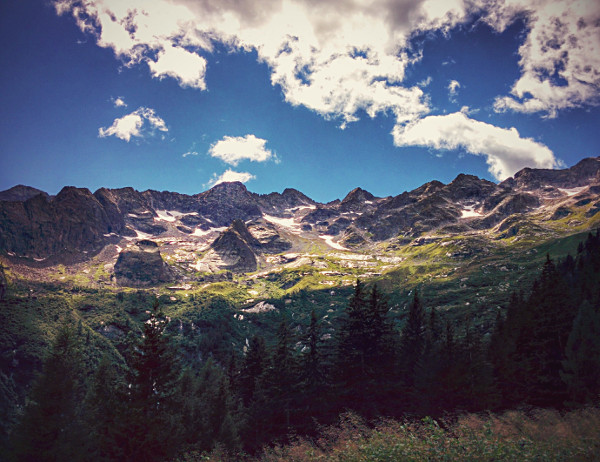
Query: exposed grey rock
pixel 234 248
pixel 141 265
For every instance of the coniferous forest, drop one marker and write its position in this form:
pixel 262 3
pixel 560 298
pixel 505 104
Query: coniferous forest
pixel 543 353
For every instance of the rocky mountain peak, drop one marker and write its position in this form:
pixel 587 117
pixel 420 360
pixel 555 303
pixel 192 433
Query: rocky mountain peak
pixel 358 195
pixel 469 187
pixel 234 248
pixel 21 193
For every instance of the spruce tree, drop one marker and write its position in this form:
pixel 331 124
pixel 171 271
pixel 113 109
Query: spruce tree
pixel 52 426
pixel 581 366
pixel 313 376
pixel 155 373
pixel 412 341
pixel 352 343
pixel 106 411
pixel 541 343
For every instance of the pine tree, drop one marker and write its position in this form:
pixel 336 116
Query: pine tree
pixel 581 367
pixel 351 368
pixel 52 426
pixel 412 342
pixel 541 343
pixel 313 376
pixel 254 364
pixel 106 411
pixel 283 377
pixel 155 373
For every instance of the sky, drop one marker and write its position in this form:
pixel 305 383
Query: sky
pixel 321 96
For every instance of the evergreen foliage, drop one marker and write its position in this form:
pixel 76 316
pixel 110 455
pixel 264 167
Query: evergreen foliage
pixel 52 428
pixel 544 351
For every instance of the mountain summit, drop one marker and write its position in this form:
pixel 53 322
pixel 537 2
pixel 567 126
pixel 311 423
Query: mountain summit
pixel 231 228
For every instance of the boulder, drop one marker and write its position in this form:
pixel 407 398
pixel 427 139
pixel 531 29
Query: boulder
pixel 141 265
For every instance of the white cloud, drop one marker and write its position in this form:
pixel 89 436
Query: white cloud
pixel 233 149
pixel 119 102
pixel 189 153
pixel 136 124
pixel 340 58
pixel 425 82
pixel 230 176
pixel 187 68
pixel 560 57
pixel 504 149
pixel 336 58
pixel 453 87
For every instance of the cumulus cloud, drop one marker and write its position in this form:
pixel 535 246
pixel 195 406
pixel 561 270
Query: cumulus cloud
pixel 140 122
pixel 506 152
pixel 189 153
pixel 185 67
pixel 560 57
pixel 334 63
pixel 119 102
pixel 345 58
pixel 230 176
pixel 233 149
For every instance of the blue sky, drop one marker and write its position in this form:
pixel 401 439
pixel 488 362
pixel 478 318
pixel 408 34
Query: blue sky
pixel 319 96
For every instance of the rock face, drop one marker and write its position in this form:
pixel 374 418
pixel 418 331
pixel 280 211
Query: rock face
pixel 141 265
pixel 36 226
pixel 72 221
pixel 235 248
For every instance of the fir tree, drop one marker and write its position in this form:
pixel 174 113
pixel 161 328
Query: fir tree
pixel 155 373
pixel 581 367
pixel 412 342
pixel 541 343
pixel 106 411
pixel 313 375
pixel 52 426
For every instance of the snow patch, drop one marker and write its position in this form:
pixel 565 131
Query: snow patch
pixel 301 207
pixel 171 215
pixel 470 212
pixel 329 241
pixel 133 215
pixel 287 223
pixel 572 191
pixel 201 232
pixel 142 235
pixel 164 215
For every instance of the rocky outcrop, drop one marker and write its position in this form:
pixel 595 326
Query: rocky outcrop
pixel 584 173
pixel 73 221
pixel 227 202
pixel 35 225
pixel 141 265
pixel 234 248
pixel 281 204
pixel 356 200
pixel 268 240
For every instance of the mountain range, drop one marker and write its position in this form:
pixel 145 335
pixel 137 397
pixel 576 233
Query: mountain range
pixel 151 237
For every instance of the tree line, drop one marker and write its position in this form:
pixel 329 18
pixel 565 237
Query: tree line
pixel 544 351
